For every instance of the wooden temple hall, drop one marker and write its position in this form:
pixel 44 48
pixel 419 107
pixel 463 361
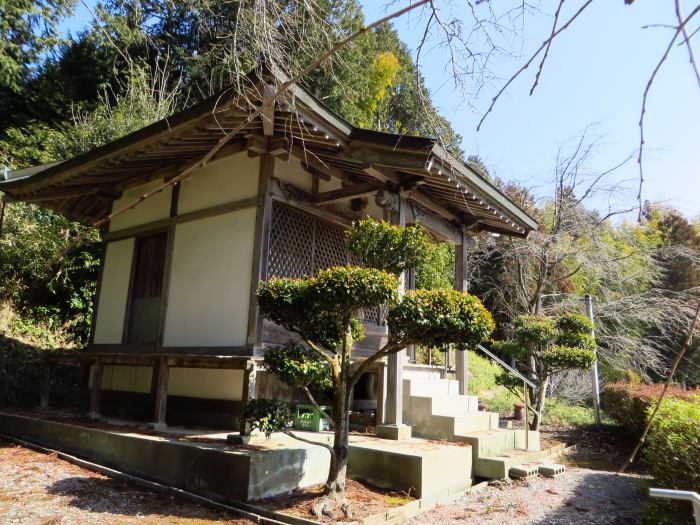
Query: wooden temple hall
pixel 176 336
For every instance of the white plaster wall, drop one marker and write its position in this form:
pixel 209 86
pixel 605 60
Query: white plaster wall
pixel 114 290
pixel 227 180
pixel 206 383
pixel 152 209
pixel 125 378
pixel 210 281
pixel 292 172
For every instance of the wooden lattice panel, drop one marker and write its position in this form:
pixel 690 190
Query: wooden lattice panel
pixel 301 245
pixel 291 243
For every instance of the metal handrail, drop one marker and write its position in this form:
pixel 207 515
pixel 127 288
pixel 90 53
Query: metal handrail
pixel 506 366
pixel 685 495
pixel 526 382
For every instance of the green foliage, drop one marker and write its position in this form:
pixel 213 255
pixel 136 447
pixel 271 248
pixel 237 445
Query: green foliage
pixel 439 318
pixel 321 307
pixel 558 358
pixel 27 29
pixel 672 447
pixel 299 366
pixel 59 297
pixel 268 415
pixel 563 414
pixel 555 344
pixel 437 269
pixel 628 403
pixel 535 330
pixel 394 249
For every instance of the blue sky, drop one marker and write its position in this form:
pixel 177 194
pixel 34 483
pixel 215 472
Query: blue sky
pixel 596 73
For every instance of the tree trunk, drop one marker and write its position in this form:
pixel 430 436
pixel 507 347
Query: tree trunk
pixel 539 403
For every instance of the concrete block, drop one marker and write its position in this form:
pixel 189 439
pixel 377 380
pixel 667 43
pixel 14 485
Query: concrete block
pixel 526 470
pixel 396 432
pixel 551 470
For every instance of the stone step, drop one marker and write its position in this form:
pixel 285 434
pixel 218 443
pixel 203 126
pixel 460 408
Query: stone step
pixel 488 442
pixel 497 466
pixel 431 387
pixel 440 405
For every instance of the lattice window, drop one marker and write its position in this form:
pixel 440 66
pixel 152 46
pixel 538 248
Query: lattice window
pixel 301 245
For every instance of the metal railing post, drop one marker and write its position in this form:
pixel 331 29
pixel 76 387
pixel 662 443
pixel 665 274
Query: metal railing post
pixel 684 495
pixel 527 424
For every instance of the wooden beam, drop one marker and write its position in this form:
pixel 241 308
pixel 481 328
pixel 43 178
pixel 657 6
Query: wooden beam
pixel 431 204
pixel 350 192
pixel 391 158
pixel 161 224
pixel 54 195
pixel 256 145
pixel 268 110
pixel 381 175
pixel 263 220
pixel 309 160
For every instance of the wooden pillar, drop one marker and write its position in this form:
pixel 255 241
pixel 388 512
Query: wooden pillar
pixel 260 248
pixel 162 376
pixel 94 411
pixel 380 413
pixel 248 393
pixel 45 386
pixel 462 284
pixel 393 427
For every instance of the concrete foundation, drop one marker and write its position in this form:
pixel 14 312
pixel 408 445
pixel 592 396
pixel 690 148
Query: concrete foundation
pixel 209 465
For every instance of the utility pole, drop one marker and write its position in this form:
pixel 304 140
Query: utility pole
pixel 594 368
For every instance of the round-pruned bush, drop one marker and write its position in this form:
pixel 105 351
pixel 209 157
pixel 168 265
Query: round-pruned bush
pixel 320 307
pixel 534 329
pixel 440 317
pixel 575 323
pixel 395 249
pixel 298 366
pixel 268 415
pixel 577 340
pixel 558 358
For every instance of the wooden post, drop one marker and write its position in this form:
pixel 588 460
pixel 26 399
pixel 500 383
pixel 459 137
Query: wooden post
pixel 45 386
pixel 260 248
pixel 94 411
pixel 248 393
pixel 161 393
pixel 380 413
pixel 393 427
pixel 462 284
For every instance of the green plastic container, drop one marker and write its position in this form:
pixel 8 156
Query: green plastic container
pixel 306 417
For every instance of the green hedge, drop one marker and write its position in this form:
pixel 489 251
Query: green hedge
pixel 672 447
pixel 627 403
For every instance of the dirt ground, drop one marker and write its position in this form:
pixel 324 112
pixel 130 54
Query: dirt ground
pixel 40 489
pixel 588 493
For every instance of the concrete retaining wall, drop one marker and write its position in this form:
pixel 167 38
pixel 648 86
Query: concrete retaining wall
pixel 202 469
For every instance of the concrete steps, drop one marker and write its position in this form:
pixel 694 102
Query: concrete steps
pixel 435 410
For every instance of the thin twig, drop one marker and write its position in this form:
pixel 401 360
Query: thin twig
pixel 549 45
pixel 531 60
pixel 686 40
pixel 679 30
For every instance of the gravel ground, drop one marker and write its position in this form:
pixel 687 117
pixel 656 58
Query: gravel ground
pixel 40 489
pixel 579 496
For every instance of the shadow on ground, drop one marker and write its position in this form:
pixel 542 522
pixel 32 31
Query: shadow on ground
pixel 105 495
